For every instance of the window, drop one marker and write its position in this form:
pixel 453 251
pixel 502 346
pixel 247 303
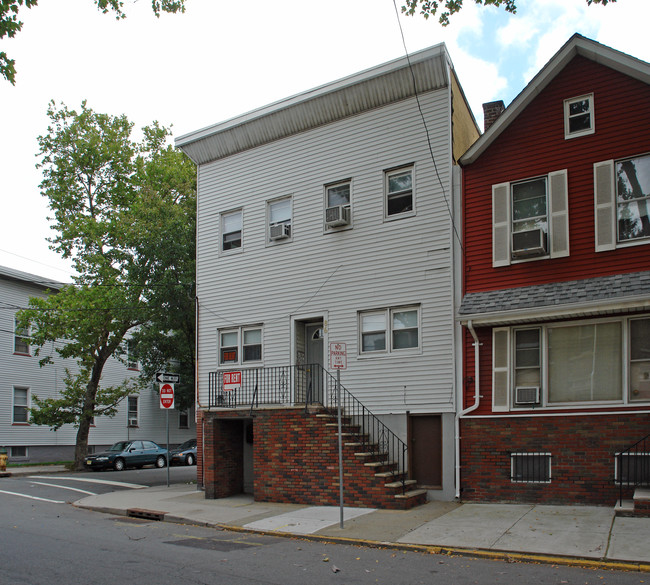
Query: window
pixel 21 343
pixel 633 198
pixel 242 341
pixel 132 407
pixel 579 116
pixel 279 219
pixel 131 359
pixel 389 330
pixel 530 467
pixel 231 230
pixel 566 364
pixel 399 193
pixel 16 452
pixel 183 419
pixel 337 205
pixel 21 405
pixel 530 219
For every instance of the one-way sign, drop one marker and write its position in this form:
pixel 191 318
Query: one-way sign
pixel 164 377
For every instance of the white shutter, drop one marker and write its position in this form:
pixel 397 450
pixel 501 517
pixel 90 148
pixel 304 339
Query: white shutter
pixel 501 224
pixel 559 213
pixel 500 369
pixel 604 206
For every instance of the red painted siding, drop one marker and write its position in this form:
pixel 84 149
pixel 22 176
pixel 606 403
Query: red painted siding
pixel 534 144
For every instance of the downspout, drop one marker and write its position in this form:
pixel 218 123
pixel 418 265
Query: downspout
pixel 477 399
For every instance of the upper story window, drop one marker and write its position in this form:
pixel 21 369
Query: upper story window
pixel 21 342
pixel 633 198
pixel 21 405
pixel 530 219
pixel 131 358
pixel 279 219
pixel 338 208
pixel 579 116
pixel 622 202
pixel 569 364
pixel 389 330
pixel 399 192
pixel 231 230
pixel 240 345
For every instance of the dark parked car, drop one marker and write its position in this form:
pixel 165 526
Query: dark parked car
pixel 185 454
pixel 125 454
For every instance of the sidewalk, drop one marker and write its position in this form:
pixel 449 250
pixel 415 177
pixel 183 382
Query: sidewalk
pixel 579 535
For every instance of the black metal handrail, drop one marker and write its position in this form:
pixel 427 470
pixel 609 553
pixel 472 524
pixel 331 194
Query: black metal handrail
pixel 633 466
pixel 311 384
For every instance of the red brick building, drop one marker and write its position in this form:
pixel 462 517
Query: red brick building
pixel 556 292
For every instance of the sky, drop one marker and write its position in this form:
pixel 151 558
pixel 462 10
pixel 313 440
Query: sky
pixel 221 59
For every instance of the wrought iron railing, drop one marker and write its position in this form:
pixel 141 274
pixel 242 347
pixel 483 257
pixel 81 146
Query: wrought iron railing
pixel 633 466
pixel 310 385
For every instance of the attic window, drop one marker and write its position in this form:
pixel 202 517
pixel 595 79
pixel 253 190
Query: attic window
pixel 579 116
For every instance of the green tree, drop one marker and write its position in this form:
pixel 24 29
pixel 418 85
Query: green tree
pixel 429 8
pixel 110 197
pixel 10 25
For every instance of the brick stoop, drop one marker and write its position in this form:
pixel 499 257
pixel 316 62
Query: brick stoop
pixel 639 507
pixel 397 493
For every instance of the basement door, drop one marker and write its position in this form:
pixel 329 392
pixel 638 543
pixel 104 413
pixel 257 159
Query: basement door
pixel 425 450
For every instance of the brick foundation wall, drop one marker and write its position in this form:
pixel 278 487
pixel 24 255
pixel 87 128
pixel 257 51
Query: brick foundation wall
pixel 582 449
pixel 295 458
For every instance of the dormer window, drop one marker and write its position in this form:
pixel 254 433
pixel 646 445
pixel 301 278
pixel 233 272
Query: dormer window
pixel 579 116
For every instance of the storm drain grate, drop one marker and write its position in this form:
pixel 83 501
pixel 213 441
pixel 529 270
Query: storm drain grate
pixel 145 514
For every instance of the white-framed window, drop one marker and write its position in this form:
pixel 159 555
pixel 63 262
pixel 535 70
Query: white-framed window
pixel 579 116
pixel 231 230
pixel 183 419
pixel 389 330
pixel 622 202
pixel 399 191
pixel 132 411
pixel 530 219
pixel 21 342
pixel 579 119
pixel 21 405
pixel 279 214
pixel 240 345
pixel 530 467
pixel 338 205
pixel 131 359
pixel 567 364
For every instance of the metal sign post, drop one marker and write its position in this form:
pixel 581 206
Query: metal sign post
pixel 338 362
pixel 167 402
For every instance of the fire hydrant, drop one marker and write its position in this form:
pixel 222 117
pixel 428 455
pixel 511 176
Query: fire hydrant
pixel 3 460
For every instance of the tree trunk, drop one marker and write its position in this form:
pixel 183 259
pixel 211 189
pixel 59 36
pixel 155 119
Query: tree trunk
pixel 81 446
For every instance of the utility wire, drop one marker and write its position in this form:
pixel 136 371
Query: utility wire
pixel 426 128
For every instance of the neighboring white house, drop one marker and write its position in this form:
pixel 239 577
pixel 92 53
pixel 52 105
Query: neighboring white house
pixel 333 216
pixel 139 416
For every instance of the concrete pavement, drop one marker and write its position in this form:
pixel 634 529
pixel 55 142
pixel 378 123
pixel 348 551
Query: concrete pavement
pixel 581 535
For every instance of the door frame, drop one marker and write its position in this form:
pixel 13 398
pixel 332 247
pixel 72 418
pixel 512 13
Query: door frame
pixel 298 323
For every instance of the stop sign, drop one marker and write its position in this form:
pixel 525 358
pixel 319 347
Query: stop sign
pixel 166 396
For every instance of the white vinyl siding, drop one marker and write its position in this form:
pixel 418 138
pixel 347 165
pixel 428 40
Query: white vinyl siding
pixel 338 273
pixel 555 221
pixel 47 382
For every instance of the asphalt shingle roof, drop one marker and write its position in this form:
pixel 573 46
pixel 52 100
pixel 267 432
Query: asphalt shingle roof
pixel 618 287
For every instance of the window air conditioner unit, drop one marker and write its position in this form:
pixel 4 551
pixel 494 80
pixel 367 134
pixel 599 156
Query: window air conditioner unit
pixel 133 422
pixel 528 243
pixel 337 216
pixel 280 231
pixel 526 395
